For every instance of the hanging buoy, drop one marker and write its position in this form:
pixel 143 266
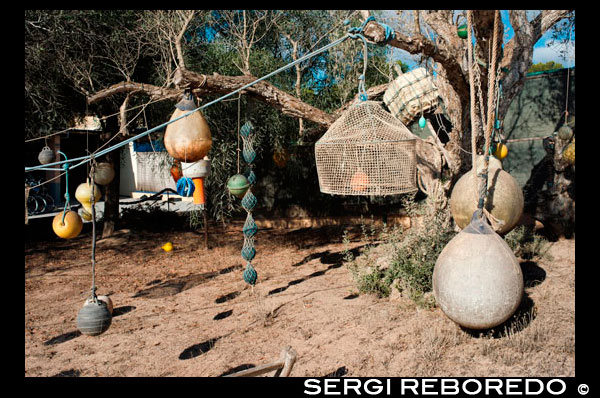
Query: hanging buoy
pixel 70 228
pixel 185 187
pixel 462 32
pixel 359 181
pixel 500 150
pixel 477 280
pixel 569 153
pixel 107 301
pixel 197 172
pixel 504 201
pixel 565 132
pixel 188 139
pixel 176 171
pixel 422 122
pixel 83 194
pixel 94 318
pixel 46 155
pixel 238 185
pixel 281 157
pixel 104 173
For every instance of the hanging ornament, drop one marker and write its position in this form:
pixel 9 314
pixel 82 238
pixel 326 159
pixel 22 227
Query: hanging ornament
pixel 462 32
pixel 46 155
pixel 250 274
pixel 69 226
pixel 477 280
pixel 565 132
pixel 500 150
pixel 569 153
pixel 185 187
pixel 188 139
pixel 83 194
pixel 237 185
pixel 248 202
pixel 197 171
pixel 104 173
pixel 94 318
pixel 505 199
pixel 422 122
pixel 176 171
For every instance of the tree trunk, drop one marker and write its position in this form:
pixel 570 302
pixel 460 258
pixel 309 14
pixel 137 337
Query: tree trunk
pixel 111 202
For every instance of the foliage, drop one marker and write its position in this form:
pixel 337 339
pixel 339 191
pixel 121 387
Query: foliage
pixel 527 244
pixel 544 66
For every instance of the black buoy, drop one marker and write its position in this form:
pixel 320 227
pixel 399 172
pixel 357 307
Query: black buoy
pixel 94 318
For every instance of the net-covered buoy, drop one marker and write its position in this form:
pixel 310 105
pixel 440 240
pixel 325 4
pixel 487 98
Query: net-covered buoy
pixel 46 155
pixel 504 201
pixel 104 173
pixel 83 194
pixel 68 228
pixel 188 139
pixel 477 280
pixel 237 185
pixel 94 318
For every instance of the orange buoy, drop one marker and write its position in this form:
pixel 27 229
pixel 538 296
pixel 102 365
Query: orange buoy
pixel 70 228
pixel 198 194
pixel 359 181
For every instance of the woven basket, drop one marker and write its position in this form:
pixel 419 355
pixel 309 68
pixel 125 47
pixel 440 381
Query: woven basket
pixel 410 94
pixel 366 152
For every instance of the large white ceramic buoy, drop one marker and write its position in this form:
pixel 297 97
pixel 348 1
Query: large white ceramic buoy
pixel 477 280
pixel 504 201
pixel 104 173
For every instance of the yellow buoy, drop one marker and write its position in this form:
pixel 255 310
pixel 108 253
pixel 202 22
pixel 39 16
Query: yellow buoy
pixel 70 228
pixel 167 247
pixel 83 194
pixel 500 151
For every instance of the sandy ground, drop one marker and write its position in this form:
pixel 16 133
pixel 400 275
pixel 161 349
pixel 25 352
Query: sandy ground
pixel 189 312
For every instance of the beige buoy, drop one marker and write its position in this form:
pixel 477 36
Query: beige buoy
pixel 504 200
pixel 477 280
pixel 104 173
pixel 83 194
pixel 188 139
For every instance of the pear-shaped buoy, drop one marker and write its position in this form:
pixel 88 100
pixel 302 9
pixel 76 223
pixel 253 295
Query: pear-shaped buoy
pixel 188 139
pixel 83 194
pixel 504 201
pixel 477 280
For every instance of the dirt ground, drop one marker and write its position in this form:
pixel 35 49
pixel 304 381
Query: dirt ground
pixel 189 312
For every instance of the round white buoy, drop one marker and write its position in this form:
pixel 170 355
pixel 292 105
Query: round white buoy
pixel 477 280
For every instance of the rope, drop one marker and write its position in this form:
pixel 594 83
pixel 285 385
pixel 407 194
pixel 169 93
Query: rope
pixel 472 89
pixel 84 159
pixel 92 199
pixel 490 121
pixel 238 133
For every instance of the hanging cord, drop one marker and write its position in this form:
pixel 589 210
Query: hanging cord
pixel 490 121
pixel 66 167
pixel 474 127
pixel 238 132
pixel 567 94
pixel 92 200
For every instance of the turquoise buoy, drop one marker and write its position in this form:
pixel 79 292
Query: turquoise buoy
pixel 250 275
pixel 422 122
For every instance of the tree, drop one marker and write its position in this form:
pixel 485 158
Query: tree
pixel 431 34
pixel 544 66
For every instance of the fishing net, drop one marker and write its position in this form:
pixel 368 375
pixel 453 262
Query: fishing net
pixel 366 151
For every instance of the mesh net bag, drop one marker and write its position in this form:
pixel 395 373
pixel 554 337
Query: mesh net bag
pixel 366 151
pixel 410 94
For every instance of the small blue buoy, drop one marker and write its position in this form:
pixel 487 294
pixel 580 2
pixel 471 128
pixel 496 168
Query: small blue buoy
pixel 422 122
pixel 185 187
